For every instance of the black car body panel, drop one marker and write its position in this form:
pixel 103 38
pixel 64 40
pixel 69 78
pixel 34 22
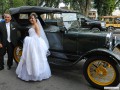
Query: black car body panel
pixel 105 52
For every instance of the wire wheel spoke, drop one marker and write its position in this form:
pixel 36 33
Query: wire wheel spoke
pixel 101 72
pixel 17 53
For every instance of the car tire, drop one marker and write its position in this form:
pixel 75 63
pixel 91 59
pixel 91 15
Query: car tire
pixel 110 28
pixel 100 73
pixel 95 29
pixel 17 53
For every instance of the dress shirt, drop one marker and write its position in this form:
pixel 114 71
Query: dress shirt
pixel 8 31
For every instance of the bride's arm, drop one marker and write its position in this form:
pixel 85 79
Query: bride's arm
pixel 37 29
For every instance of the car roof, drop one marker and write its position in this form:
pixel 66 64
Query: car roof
pixel 38 9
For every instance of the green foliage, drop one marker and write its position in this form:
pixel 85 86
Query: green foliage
pixel 30 2
pixel 6 4
pixel 82 6
pixel 49 3
pixel 104 7
pixel 17 3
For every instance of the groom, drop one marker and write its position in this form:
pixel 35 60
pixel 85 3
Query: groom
pixel 8 40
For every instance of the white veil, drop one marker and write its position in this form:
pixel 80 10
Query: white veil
pixel 42 34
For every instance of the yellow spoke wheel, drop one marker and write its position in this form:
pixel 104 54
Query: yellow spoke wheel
pixel 101 72
pixel 17 53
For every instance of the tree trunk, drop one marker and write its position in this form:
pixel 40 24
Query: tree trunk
pixel 84 6
pixel 87 7
pixel 11 3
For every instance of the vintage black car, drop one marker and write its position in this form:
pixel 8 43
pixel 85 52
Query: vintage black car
pixel 69 44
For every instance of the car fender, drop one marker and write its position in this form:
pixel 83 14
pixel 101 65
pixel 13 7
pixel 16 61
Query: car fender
pixel 117 45
pixel 116 42
pixel 104 52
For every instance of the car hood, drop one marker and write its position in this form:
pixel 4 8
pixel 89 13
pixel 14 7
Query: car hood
pixel 95 21
pixel 95 33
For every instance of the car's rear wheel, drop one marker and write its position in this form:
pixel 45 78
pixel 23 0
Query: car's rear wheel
pixel 101 72
pixel 17 53
pixel 95 29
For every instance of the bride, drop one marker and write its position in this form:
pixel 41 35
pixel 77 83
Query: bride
pixel 33 65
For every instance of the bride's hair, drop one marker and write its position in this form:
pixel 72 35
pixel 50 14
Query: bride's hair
pixel 33 14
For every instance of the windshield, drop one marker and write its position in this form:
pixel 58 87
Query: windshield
pixel 70 20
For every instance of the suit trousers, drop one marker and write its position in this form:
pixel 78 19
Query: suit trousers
pixel 9 48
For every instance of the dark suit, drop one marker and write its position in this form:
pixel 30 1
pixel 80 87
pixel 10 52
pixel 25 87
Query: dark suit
pixel 7 46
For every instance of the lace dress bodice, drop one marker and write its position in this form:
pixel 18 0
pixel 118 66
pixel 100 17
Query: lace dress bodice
pixel 32 32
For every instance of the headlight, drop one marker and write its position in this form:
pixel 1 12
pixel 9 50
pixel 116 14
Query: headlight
pixel 109 39
pixel 103 24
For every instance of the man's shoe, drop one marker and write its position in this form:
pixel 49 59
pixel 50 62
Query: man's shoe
pixel 9 67
pixel 1 68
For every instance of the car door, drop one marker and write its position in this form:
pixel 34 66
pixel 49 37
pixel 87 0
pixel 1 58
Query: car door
pixel 85 23
pixel 70 44
pixel 55 38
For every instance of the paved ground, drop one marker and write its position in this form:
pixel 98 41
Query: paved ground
pixel 62 79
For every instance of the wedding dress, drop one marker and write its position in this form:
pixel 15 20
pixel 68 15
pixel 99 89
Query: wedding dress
pixel 33 64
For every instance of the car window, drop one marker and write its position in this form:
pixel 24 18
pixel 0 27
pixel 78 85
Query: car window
pixel 52 19
pixel 23 19
pixel 50 16
pixel 23 16
pixel 68 20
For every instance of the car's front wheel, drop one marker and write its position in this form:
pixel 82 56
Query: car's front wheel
pixel 17 53
pixel 110 28
pixel 101 72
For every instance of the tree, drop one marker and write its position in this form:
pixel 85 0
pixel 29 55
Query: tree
pixel 105 7
pixel 82 6
pixel 6 4
pixel 30 2
pixel 17 3
pixel 117 3
pixel 49 3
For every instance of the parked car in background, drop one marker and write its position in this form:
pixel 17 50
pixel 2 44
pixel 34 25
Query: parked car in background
pixel 112 22
pixel 69 44
pixel 91 24
pixel 83 22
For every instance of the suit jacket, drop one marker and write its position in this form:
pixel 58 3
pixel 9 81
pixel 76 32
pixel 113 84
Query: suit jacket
pixel 3 33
